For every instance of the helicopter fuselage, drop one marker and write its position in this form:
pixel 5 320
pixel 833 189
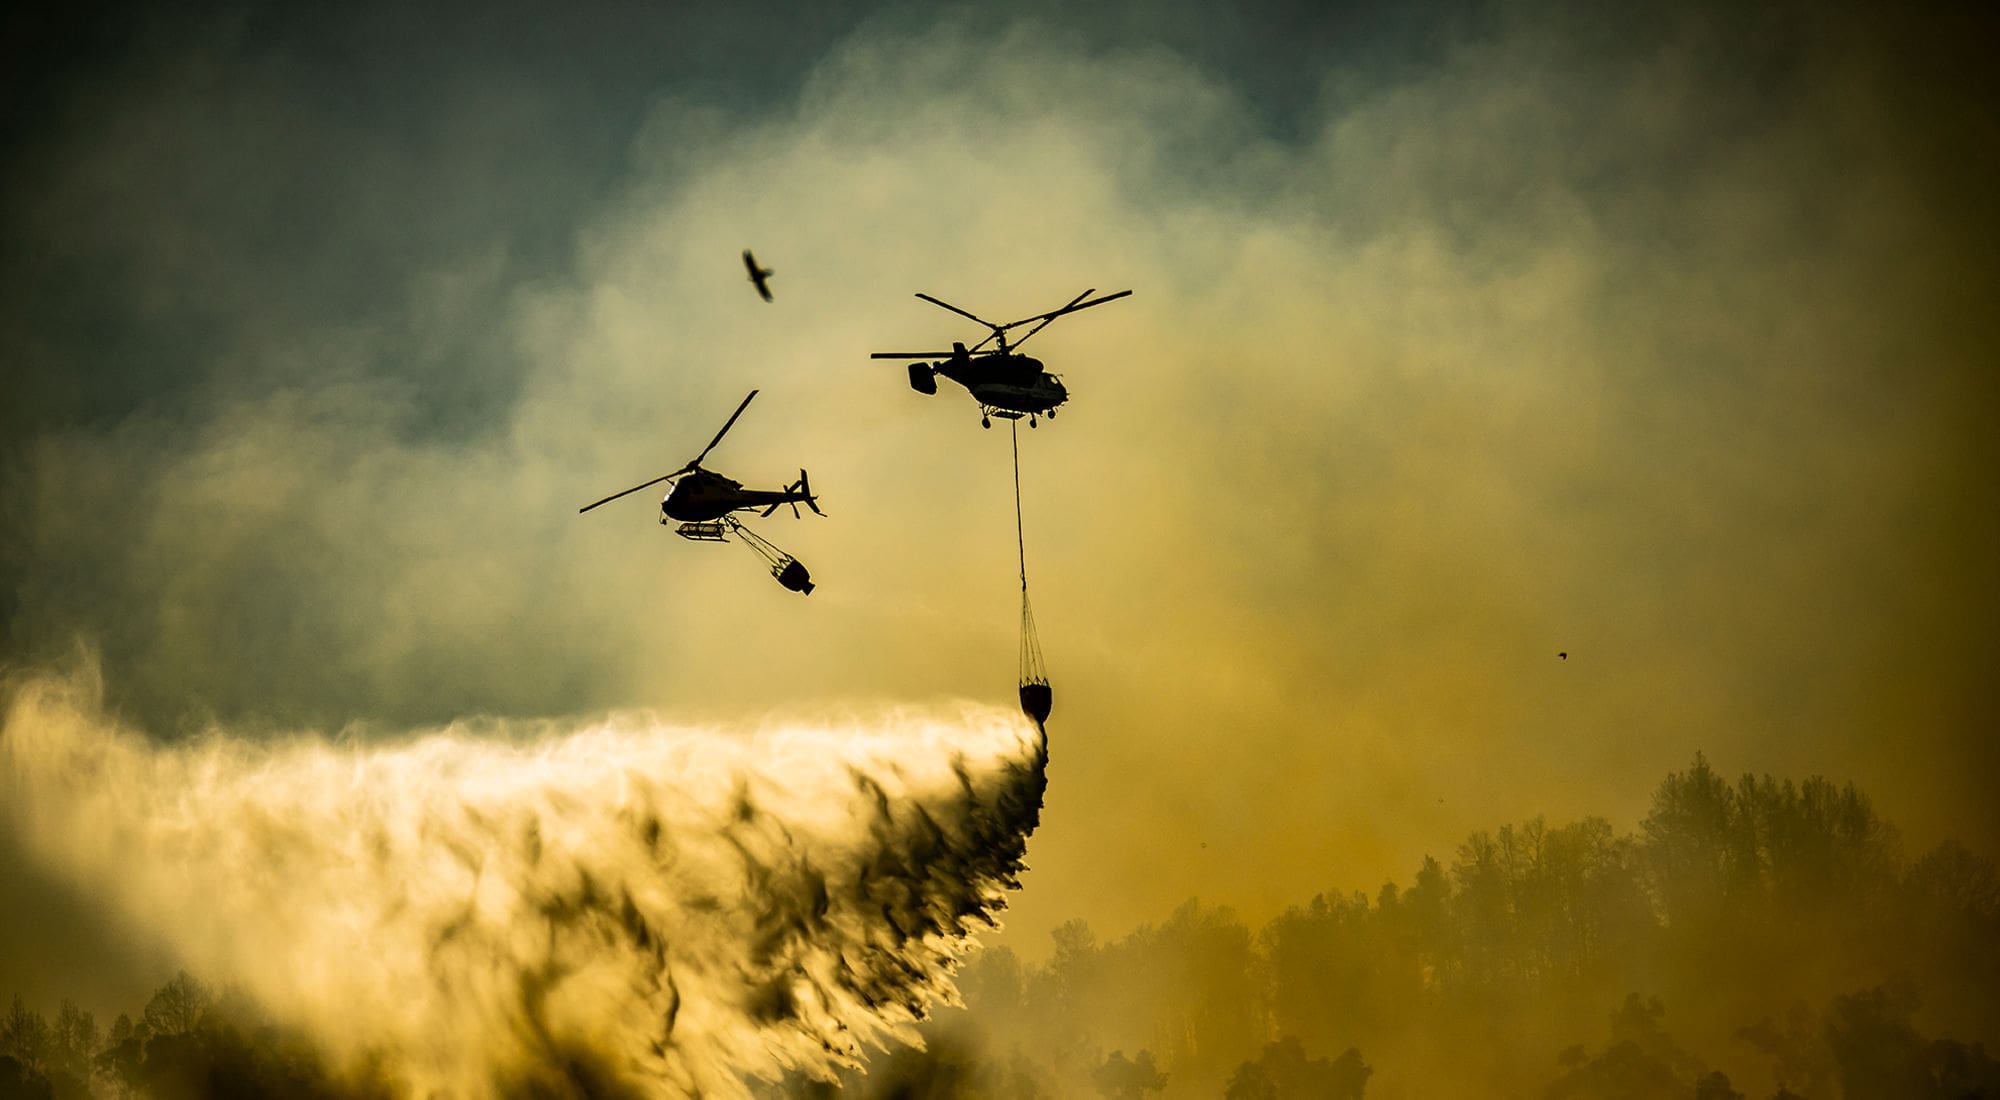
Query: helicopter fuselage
pixel 706 495
pixel 1009 382
pixel 1006 383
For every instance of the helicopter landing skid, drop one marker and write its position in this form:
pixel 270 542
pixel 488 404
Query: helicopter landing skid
pixel 705 531
pixel 986 414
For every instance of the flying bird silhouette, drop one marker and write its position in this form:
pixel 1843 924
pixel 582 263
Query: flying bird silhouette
pixel 1564 655
pixel 758 274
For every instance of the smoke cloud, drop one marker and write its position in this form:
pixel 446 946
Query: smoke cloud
pixel 1462 334
pixel 613 905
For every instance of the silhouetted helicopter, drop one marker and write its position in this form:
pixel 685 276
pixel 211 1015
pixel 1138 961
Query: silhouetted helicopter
pixel 702 501
pixel 1004 382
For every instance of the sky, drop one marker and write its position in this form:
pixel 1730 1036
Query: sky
pixel 1461 336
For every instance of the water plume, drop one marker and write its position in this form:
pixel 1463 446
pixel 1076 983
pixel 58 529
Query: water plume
pixel 613 906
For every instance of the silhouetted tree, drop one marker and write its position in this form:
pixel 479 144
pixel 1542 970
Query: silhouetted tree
pixel 73 1041
pixel 1624 1071
pixel 1336 966
pixel 1879 1052
pixel 1641 1063
pixel 1539 906
pixel 176 1008
pixel 123 1054
pixel 1122 1078
pixel 993 980
pixel 121 1030
pixel 24 1033
pixel 1020 1078
pixel 25 1037
pixel 1875 1047
pixel 1422 919
pixel 1961 1071
pixel 1283 1072
pixel 17 1080
pixel 1958 880
pixel 1190 990
pixel 1817 845
pixel 1251 1081
pixel 1349 1078
pixel 68 1052
pixel 1796 1043
pixel 1066 991
pixel 938 1072
pixel 1693 860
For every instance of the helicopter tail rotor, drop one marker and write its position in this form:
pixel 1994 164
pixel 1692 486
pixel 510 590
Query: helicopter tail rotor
pixel 804 489
pixel 803 494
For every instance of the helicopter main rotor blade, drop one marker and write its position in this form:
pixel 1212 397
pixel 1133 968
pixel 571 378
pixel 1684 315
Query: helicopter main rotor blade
pixel 955 309
pixel 725 431
pixel 1070 308
pixel 1051 315
pixel 1000 331
pixel 910 355
pixel 636 488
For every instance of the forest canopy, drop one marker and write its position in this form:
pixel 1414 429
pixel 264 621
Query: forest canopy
pixel 1761 937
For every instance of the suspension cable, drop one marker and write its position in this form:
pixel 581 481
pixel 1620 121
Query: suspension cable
pixel 1020 537
pixel 1033 670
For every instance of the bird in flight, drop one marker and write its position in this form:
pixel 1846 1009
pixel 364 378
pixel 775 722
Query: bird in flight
pixel 758 274
pixel 1564 655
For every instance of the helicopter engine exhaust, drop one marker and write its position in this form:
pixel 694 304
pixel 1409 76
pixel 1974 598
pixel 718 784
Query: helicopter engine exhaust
pixel 607 906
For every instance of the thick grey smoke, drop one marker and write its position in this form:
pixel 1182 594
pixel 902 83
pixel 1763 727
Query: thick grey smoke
pixel 616 904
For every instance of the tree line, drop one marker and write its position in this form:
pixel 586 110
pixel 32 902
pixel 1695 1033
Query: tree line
pixel 1756 938
pixel 190 1042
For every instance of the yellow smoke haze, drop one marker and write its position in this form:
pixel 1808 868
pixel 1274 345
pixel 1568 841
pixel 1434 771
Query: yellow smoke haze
pixel 1459 339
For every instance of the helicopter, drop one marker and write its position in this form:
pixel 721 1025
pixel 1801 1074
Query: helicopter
pixel 702 502
pixel 1006 383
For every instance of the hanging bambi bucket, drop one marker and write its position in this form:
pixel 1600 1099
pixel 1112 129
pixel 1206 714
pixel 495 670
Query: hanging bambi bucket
pixel 788 570
pixel 1037 699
